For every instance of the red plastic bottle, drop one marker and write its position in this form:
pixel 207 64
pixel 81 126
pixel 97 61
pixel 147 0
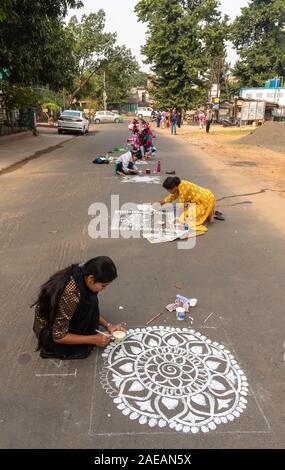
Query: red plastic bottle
pixel 158 167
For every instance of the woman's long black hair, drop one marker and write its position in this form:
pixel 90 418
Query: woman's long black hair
pixel 171 182
pixel 102 268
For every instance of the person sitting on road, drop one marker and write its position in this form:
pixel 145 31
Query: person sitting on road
pixel 67 311
pixel 146 137
pixel 125 164
pixel 202 202
pixel 134 126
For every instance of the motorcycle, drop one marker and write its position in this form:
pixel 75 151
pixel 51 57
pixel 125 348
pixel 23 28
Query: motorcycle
pixel 230 122
pixel 153 116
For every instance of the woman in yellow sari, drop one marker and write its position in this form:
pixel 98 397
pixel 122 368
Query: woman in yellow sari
pixel 201 202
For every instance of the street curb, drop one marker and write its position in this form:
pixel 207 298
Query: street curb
pixel 49 126
pixel 16 136
pixel 37 154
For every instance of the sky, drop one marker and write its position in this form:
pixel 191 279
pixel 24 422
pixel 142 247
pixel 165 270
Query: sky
pixel 120 18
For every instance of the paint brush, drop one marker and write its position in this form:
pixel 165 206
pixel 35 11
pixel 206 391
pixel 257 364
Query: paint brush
pixel 154 318
pixel 105 334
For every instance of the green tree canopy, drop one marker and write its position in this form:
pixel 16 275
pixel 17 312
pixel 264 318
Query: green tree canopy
pixel 139 79
pixel 184 38
pixel 91 46
pixel 259 37
pixel 33 44
pixel 96 52
pixel 120 70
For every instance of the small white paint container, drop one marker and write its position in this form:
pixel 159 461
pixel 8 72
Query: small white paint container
pixel 180 313
pixel 119 336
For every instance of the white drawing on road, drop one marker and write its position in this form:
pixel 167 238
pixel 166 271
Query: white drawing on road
pixel 141 179
pixel 163 376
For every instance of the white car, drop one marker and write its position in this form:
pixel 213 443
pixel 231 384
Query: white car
pixel 107 116
pixel 71 120
pixel 144 112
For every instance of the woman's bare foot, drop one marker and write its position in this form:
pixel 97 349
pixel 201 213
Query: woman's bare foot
pixel 210 219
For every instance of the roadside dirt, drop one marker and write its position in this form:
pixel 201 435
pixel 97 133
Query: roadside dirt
pixel 224 144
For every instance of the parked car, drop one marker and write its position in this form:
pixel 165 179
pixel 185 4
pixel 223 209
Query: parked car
pixel 71 120
pixel 107 116
pixel 144 112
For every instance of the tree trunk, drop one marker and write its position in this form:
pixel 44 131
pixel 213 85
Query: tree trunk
pixel 82 83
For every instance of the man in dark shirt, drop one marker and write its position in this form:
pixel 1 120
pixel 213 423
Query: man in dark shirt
pixel 209 119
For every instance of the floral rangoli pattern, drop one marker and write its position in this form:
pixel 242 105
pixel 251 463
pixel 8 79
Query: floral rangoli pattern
pixel 163 376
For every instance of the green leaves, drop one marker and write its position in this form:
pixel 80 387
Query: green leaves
pixel 91 45
pixel 259 37
pixel 95 52
pixel 33 44
pixel 183 39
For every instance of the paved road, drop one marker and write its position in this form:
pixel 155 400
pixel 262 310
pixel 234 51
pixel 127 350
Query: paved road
pixel 236 271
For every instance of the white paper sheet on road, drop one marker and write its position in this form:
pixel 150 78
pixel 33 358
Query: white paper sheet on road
pixel 163 235
pixel 144 222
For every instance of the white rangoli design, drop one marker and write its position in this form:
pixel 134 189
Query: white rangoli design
pixel 163 376
pixel 141 179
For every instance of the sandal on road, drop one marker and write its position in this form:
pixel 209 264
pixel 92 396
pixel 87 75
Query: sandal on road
pixel 219 216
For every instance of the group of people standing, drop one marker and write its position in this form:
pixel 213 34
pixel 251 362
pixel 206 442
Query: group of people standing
pixel 169 119
pixel 172 119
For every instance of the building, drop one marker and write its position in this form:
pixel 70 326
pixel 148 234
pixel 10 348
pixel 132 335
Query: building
pixel 141 94
pixel 138 96
pixel 272 92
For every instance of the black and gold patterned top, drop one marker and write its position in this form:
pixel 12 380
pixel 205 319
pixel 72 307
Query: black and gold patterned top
pixel 66 309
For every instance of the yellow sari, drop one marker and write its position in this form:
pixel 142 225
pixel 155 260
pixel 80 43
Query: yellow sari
pixel 203 198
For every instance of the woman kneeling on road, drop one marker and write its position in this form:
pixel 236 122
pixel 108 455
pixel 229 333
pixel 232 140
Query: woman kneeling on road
pixel 125 164
pixel 189 193
pixel 67 311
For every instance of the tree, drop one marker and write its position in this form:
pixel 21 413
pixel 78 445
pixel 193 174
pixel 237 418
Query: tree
pixel 96 52
pixel 5 9
pixel 33 45
pixel 139 79
pixel 259 37
pixel 183 39
pixel 119 71
pixel 91 46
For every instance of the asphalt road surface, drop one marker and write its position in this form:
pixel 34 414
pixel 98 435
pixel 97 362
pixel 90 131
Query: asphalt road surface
pixel 236 271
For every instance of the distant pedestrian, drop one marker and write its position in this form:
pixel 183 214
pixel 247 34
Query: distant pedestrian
pixel 173 121
pixel 163 119
pixel 179 119
pixel 209 119
pixel 158 119
pixel 202 119
pixel 168 119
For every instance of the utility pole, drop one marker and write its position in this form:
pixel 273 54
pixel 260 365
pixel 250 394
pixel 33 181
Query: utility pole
pixel 63 98
pixel 104 92
pixel 215 83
